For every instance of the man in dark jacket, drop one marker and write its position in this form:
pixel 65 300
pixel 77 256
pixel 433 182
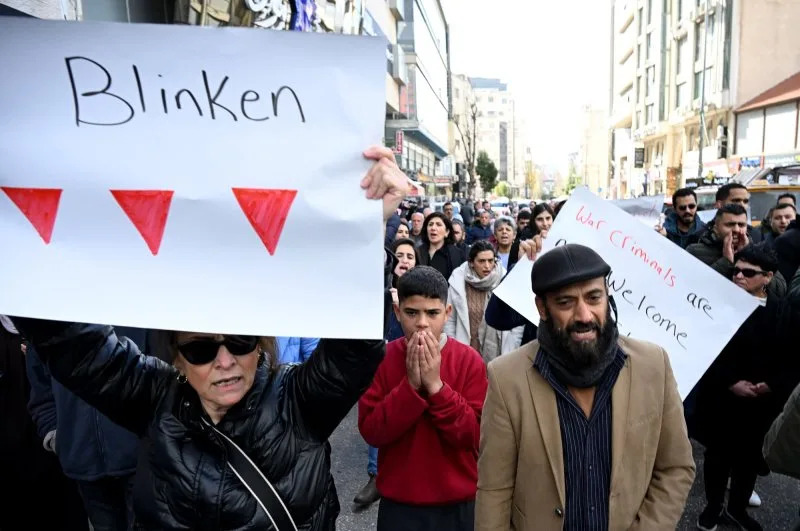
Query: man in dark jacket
pixel 737 194
pixel 36 494
pixel 682 226
pixel 724 237
pixel 482 231
pixel 98 454
pixel 787 245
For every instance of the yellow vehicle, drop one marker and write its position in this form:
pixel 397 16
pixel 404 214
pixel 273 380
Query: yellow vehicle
pixel 767 185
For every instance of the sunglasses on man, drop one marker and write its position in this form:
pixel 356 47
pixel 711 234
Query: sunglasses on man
pixel 204 350
pixel 747 273
pixel 683 208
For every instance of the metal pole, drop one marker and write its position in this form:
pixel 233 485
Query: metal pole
pixel 703 95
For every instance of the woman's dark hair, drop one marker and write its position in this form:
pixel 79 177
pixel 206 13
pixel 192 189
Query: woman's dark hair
pixel 538 209
pixel 480 246
pixel 406 224
pixel 758 254
pixel 448 240
pixel 424 281
pixel 164 344
pixel 406 241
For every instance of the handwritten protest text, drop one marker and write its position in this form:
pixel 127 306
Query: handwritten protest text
pixel 90 79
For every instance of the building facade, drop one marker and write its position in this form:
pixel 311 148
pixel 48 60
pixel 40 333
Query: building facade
pixel 424 108
pixel 688 55
pixel 499 132
pixel 592 162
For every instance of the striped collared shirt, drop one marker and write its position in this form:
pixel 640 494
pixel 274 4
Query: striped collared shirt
pixel 587 448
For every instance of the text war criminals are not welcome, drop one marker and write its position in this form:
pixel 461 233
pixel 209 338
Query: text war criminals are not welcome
pixel 90 79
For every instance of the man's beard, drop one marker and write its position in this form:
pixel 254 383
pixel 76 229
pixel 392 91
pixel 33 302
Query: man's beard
pixel 581 355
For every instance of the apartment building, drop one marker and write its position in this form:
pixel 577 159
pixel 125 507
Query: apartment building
pixel 500 133
pixel 691 54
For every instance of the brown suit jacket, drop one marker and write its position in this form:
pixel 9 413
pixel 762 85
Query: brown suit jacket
pixel 521 465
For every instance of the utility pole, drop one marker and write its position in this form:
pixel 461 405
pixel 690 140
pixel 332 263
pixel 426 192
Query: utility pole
pixel 703 95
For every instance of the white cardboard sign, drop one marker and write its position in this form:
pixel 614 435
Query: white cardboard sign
pixel 190 178
pixel 646 209
pixel 663 294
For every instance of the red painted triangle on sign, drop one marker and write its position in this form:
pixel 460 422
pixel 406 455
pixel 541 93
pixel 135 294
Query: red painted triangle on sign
pixel 39 205
pixel 148 211
pixel 267 210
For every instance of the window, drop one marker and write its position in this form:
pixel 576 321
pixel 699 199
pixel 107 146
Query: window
pixel 638 118
pixel 491 99
pixel 649 45
pixel 638 56
pixel 491 113
pixel 649 11
pixel 699 35
pixel 458 94
pixel 683 47
pixel 681 94
pixel 679 8
pixel 501 113
pixel 649 118
pixel 711 20
pixel 651 80
pixel 639 90
pixel 641 20
pixel 698 84
pixel 505 101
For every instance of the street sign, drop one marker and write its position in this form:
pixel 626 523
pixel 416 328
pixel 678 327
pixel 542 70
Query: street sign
pixel 398 141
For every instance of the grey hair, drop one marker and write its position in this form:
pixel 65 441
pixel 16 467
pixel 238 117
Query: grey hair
pixel 505 220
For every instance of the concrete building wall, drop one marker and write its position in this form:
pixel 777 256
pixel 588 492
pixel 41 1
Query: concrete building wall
pixel 768 47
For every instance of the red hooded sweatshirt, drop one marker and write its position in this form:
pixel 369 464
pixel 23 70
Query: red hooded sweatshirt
pixel 428 445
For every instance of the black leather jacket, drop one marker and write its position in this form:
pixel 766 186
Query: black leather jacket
pixel 282 423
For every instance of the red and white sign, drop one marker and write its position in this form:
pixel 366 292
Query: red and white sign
pixel 187 183
pixel 398 141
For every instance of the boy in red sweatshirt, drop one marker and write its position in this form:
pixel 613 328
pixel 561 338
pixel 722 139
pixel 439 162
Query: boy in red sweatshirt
pixel 423 413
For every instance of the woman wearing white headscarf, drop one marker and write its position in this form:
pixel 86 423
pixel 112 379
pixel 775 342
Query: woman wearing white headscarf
pixel 471 286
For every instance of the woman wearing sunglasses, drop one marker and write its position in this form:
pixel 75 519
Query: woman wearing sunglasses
pixel 224 413
pixel 744 390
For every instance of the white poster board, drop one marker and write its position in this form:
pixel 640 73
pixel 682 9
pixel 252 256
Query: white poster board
pixel 190 178
pixel 663 294
pixel 646 209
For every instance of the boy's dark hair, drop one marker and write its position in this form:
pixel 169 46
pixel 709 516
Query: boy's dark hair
pixel 682 192
pixel 783 206
pixel 733 208
pixel 524 213
pixel 788 196
pixel 478 247
pixel 725 190
pixel 447 225
pixel 423 281
pixel 760 255
pixel 447 203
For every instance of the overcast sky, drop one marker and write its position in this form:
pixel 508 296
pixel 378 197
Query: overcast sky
pixel 553 53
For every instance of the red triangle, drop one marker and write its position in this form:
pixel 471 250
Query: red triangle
pixel 148 210
pixel 39 205
pixel 267 210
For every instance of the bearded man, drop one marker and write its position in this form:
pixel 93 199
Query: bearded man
pixel 581 429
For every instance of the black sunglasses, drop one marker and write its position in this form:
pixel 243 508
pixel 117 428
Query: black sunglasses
pixel 748 273
pixel 202 351
pixel 687 207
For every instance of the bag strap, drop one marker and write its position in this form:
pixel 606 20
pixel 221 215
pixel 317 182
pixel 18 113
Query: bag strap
pixel 258 485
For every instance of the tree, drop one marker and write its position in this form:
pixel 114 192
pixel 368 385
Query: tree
pixel 468 132
pixel 486 170
pixel 502 189
pixel 573 179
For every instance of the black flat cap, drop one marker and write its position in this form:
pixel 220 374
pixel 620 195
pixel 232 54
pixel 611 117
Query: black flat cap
pixel 565 265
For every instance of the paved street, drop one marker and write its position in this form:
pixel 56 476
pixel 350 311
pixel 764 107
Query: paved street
pixel 781 495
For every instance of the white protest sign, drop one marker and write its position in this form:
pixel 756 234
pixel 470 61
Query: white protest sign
pixel 646 209
pixel 190 178
pixel 663 294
